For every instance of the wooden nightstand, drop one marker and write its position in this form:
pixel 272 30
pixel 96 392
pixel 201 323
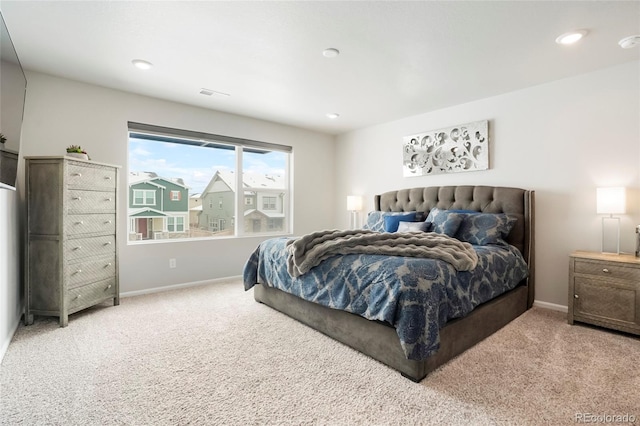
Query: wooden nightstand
pixel 604 290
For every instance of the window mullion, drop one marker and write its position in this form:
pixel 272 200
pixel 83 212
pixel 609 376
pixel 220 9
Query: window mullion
pixel 239 195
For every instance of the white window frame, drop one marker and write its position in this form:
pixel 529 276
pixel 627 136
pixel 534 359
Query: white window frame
pixel 144 197
pixel 254 148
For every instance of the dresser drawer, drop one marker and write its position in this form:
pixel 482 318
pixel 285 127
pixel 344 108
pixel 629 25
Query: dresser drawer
pixel 79 248
pixel 90 224
pixel 88 295
pixel 606 270
pixel 79 202
pixel 89 271
pixel 81 176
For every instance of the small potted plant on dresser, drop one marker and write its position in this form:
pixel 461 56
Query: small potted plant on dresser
pixel 77 152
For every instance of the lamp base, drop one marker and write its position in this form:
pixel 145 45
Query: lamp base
pixel 611 235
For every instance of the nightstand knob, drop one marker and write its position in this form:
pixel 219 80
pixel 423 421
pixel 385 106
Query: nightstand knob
pixel 78 296
pixel 80 223
pixel 605 270
pixel 77 198
pixel 108 199
pixel 78 271
pixel 109 286
pixel 77 174
pixel 108 222
pixel 576 296
pixel 107 265
pixel 77 248
pixel 108 243
pixel 107 177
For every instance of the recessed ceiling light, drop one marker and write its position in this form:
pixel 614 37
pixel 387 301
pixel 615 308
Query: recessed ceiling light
pixel 629 42
pixel 330 52
pixel 571 37
pixel 141 64
pixel 333 115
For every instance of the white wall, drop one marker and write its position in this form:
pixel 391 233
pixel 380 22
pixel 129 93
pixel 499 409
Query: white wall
pixel 10 255
pixel 61 112
pixel 561 139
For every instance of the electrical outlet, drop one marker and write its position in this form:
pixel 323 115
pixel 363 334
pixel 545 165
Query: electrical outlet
pixel 172 263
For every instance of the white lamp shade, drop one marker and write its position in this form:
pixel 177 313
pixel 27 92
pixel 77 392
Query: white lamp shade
pixel 354 203
pixel 611 200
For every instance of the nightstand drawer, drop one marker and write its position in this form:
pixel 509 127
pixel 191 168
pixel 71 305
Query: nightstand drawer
pixel 606 270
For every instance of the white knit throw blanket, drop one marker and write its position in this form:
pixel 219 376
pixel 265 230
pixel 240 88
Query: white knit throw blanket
pixel 309 250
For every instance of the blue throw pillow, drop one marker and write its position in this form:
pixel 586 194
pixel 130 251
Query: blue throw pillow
pixel 486 228
pixel 375 220
pixel 444 221
pixel 391 222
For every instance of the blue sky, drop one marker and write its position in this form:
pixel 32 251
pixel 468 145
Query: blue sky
pixel 196 165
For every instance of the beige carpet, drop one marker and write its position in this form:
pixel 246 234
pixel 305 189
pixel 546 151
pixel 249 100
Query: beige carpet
pixel 210 355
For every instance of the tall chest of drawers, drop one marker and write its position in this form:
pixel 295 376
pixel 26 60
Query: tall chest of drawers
pixel 71 247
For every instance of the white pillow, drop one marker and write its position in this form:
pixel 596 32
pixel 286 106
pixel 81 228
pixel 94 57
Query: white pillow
pixel 412 226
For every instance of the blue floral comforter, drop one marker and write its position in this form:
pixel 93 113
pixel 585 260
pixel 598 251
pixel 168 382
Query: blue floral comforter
pixel 417 296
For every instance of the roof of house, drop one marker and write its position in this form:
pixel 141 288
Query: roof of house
pixel 150 177
pixel 249 180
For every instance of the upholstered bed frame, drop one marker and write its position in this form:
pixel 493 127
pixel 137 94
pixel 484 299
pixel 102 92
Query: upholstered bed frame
pixel 379 340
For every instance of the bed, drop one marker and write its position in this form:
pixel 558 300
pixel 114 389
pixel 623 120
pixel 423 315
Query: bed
pixel 431 309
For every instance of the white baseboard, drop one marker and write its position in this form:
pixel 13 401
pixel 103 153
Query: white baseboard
pixel 5 344
pixel 177 286
pixel 551 306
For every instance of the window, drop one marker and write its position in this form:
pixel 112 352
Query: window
pixel 175 224
pixel 211 167
pixel 269 203
pixel 143 197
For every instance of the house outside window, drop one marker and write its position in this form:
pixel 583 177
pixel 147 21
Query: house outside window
pixel 213 168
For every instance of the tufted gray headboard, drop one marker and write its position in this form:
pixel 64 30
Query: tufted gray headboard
pixel 489 199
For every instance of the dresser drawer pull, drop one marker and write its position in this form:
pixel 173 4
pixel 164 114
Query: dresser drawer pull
pixel 78 271
pixel 77 198
pixel 80 223
pixel 77 174
pixel 107 177
pixel 109 286
pixel 107 265
pixel 78 297
pixel 108 199
pixel 78 248
pixel 108 222
pixel 605 270
pixel 108 243
pixel 576 296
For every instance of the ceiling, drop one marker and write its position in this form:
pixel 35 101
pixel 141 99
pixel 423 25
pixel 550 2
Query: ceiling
pixel 397 59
